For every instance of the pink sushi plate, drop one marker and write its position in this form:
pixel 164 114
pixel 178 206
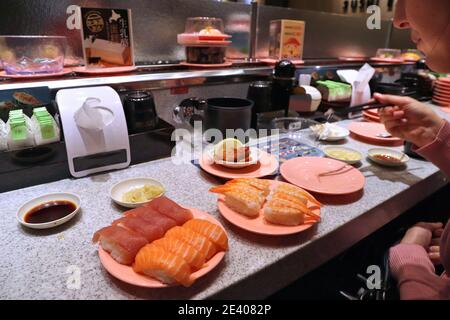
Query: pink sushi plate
pixel 109 70
pixel 274 61
pixel 200 65
pixel 371 117
pixel 323 175
pixel 65 71
pixel 126 273
pixel 259 225
pixel 266 166
pixel 388 60
pixel 369 131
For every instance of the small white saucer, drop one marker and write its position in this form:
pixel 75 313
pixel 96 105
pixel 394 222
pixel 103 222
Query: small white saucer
pixel 119 189
pixel 388 152
pixel 341 134
pixel 254 158
pixel 61 196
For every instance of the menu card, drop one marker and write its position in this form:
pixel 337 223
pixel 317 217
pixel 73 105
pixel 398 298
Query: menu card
pixel 107 37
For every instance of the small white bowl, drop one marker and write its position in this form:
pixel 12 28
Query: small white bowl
pixel 342 134
pixel 330 149
pixel 62 196
pixel 254 158
pixel 388 152
pixel 119 189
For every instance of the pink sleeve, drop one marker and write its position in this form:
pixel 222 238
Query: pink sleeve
pixel 414 273
pixel 438 151
pixel 403 255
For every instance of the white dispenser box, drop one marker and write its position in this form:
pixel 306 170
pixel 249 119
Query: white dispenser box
pixel 95 130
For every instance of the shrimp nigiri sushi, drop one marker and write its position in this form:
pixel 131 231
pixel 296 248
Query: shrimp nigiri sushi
pixel 277 212
pixel 171 209
pixel 243 200
pixel 212 231
pixel 163 265
pixel 122 244
pixel 298 193
pixel 194 239
pixel 193 257
pixel 259 184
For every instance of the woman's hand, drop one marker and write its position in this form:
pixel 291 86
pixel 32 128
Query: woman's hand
pixel 421 234
pixel 434 250
pixel 409 119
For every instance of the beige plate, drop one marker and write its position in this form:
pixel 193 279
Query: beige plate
pixel 330 149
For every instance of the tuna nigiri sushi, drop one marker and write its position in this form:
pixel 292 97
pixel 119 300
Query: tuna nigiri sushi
pixel 171 209
pixel 212 231
pixel 193 257
pixel 153 217
pixel 136 224
pixel 194 239
pixel 122 244
pixel 163 265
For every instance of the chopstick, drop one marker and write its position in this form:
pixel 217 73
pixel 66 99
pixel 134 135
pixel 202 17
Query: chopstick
pixel 362 107
pixel 334 171
pixel 370 106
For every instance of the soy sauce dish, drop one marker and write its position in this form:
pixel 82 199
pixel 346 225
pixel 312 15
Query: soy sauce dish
pixel 48 211
pixel 387 157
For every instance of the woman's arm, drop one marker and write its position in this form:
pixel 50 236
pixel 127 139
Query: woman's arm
pixel 413 121
pixel 438 151
pixel 414 273
pixel 412 268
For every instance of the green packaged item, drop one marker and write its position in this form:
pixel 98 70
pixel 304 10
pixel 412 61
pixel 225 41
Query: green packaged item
pixel 334 91
pixel 45 122
pixel 18 129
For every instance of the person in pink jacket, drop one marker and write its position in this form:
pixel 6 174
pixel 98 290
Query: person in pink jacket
pixel 426 244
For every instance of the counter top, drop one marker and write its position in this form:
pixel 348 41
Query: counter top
pixel 42 264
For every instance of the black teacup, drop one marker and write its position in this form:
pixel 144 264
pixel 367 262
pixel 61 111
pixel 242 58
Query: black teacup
pixel 216 113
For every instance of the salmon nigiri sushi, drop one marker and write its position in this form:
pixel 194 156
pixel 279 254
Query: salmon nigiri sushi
pixel 163 265
pixel 140 226
pixel 122 244
pixel 193 257
pixel 193 238
pixel 171 209
pixel 210 230
pixel 153 217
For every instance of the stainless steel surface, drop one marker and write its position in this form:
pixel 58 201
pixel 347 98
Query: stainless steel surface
pixel 156 24
pixel 188 108
pixel 326 35
pixel 149 80
pixel 335 6
pixel 389 34
pixel 253 31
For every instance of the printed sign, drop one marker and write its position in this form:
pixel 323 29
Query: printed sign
pixel 107 37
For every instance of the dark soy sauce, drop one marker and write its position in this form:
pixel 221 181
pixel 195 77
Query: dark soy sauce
pixel 50 211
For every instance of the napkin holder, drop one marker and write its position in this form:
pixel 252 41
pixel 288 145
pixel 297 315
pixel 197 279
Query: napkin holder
pixel 95 130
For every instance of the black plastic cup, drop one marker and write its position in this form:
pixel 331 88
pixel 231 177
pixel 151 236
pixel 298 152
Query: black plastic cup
pixel 227 113
pixel 140 111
